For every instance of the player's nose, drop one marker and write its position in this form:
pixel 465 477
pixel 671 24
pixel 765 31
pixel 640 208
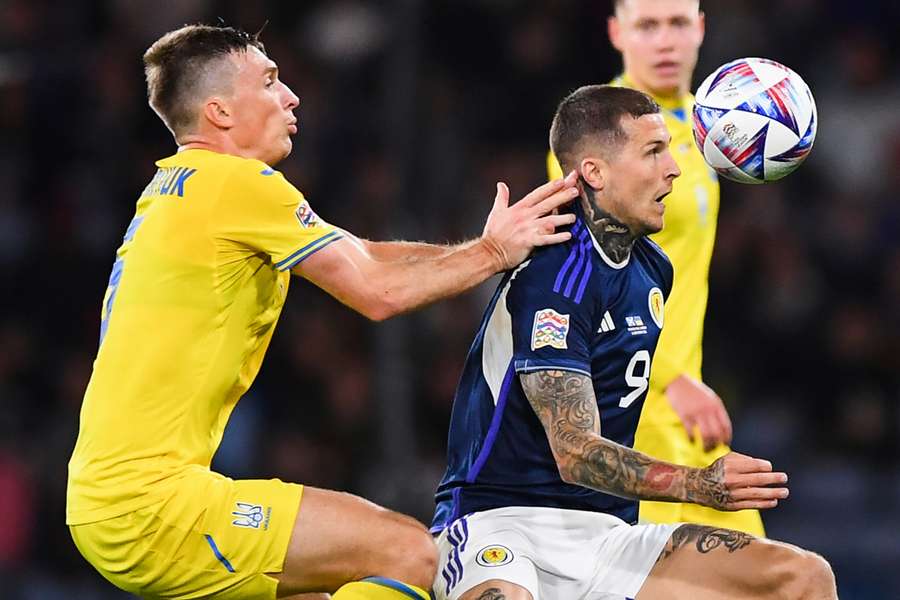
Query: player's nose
pixel 291 100
pixel 673 171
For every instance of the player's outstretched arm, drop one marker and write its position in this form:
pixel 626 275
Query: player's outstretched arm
pixel 565 403
pixel 379 288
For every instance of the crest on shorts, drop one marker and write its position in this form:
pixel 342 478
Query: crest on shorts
pixel 656 302
pixel 550 329
pixel 306 216
pixel 494 556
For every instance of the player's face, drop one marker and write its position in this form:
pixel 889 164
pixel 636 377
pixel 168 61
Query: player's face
pixel 263 119
pixel 659 41
pixel 641 174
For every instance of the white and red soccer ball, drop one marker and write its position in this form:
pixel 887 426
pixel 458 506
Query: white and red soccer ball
pixel 754 120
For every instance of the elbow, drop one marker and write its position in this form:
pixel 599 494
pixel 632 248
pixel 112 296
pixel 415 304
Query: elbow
pixel 565 465
pixel 381 309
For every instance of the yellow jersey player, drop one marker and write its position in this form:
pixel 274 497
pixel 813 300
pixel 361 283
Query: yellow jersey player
pixel 683 420
pixel 191 305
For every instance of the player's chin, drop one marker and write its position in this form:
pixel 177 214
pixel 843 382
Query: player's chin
pixel 653 225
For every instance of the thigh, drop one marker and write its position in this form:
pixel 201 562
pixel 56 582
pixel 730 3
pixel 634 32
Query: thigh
pixel 338 538
pixel 700 563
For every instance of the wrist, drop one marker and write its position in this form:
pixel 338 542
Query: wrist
pixel 497 256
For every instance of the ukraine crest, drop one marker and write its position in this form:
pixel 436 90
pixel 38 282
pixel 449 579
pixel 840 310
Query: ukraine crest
pixel 494 556
pixel 550 329
pixel 656 302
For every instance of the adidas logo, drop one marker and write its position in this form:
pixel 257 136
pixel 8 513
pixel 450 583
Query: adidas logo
pixel 606 325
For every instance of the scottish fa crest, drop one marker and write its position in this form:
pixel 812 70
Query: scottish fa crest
pixel 656 303
pixel 494 556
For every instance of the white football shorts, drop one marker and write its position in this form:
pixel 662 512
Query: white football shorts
pixel 554 553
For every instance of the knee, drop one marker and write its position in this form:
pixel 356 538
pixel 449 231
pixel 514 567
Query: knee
pixel 816 580
pixel 802 575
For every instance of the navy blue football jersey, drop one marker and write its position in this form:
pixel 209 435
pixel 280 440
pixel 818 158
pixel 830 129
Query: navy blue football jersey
pixel 571 308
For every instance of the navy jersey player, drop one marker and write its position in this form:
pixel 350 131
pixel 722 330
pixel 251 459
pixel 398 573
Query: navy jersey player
pixel 541 489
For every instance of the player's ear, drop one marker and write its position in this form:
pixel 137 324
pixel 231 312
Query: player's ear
pixel 612 29
pixel 593 172
pixel 218 113
pixel 702 25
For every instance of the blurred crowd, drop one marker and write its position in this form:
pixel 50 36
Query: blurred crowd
pixel 410 112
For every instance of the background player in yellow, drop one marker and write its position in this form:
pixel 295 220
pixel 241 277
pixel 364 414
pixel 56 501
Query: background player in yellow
pixel 192 302
pixel 683 420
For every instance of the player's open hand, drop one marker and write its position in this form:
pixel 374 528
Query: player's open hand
pixel 700 410
pixel 511 232
pixel 737 482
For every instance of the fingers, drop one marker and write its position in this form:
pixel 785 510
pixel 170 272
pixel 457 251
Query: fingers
pixel 727 430
pixel 553 238
pixel 551 189
pixel 737 463
pixel 758 480
pixel 501 200
pixel 752 504
pixel 710 432
pixel 554 201
pixel 759 493
pixel 551 222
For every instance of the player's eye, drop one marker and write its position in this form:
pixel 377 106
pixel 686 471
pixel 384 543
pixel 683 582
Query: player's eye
pixel 646 26
pixel 270 83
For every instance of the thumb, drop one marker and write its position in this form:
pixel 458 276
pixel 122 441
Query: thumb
pixel 501 200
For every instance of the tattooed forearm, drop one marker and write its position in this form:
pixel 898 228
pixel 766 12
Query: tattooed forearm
pixel 492 594
pixel 705 539
pixel 566 406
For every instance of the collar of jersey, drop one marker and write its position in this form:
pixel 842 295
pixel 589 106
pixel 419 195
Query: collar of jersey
pixel 599 249
pixel 668 103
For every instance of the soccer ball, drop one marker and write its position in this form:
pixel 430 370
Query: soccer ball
pixel 754 120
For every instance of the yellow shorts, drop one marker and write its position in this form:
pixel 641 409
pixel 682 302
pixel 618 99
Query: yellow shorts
pixel 211 537
pixel 663 436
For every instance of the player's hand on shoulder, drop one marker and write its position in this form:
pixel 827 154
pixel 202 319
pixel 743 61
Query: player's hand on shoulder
pixel 737 482
pixel 701 411
pixel 511 232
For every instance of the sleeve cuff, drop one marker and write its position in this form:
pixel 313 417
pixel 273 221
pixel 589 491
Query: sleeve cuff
pixel 531 364
pixel 308 250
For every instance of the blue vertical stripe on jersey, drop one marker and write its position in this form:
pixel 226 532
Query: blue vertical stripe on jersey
pixel 584 257
pixel 576 229
pixel 587 273
pixel 494 429
pixel 573 276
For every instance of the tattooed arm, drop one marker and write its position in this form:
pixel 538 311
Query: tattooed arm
pixel 566 406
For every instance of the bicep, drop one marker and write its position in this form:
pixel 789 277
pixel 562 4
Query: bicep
pixel 565 403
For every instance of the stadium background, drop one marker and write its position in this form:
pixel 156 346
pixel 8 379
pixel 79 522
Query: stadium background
pixel 410 111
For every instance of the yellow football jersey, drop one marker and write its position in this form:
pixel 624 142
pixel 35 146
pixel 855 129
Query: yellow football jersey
pixel 193 298
pixel 687 238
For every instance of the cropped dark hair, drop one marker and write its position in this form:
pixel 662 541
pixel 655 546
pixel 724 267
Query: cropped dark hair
pixel 176 64
pixel 593 114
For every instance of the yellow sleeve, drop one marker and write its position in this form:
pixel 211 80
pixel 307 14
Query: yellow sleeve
pixel 554 171
pixel 261 210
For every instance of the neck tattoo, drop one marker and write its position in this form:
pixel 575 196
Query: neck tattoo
pixel 612 235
